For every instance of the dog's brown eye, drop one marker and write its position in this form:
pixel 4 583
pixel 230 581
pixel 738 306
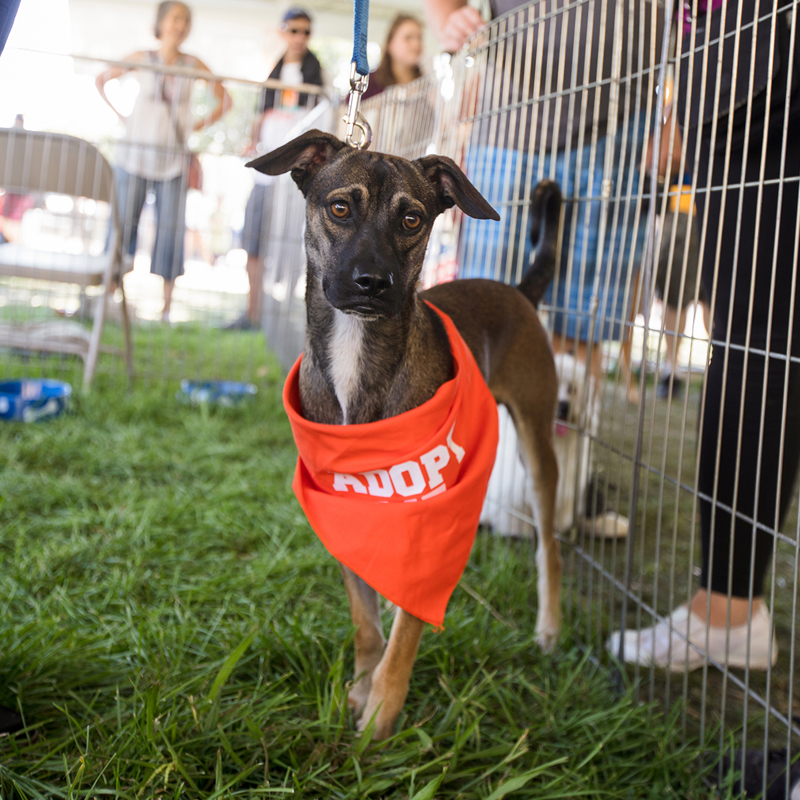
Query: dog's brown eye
pixel 340 210
pixel 412 221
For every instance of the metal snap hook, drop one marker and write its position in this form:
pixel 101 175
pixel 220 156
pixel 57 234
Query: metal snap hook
pixel 354 118
pixel 363 141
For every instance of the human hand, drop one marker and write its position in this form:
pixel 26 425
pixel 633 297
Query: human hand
pixel 668 167
pixel 459 26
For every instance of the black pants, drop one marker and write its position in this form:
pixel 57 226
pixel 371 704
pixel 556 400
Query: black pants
pixel 731 555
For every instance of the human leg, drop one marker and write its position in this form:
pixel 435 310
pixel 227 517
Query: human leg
pixel 254 243
pixel 602 240
pixel 131 196
pixel 750 438
pixel 168 289
pixel 497 250
pixel 593 291
pixel 167 258
pixel 750 443
pixel 255 275
pixel 674 323
pixel 726 617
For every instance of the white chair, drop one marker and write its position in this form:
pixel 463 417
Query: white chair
pixel 39 162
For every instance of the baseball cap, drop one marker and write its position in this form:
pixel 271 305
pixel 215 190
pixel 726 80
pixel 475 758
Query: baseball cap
pixel 295 12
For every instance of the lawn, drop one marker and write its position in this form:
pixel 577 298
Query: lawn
pixel 171 627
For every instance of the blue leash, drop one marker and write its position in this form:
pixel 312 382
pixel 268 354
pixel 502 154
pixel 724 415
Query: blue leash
pixel 359 79
pixel 360 24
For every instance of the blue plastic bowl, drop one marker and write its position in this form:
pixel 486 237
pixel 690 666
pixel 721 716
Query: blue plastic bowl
pixel 33 399
pixel 220 393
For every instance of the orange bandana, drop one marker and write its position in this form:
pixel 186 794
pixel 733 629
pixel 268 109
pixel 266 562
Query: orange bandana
pixel 398 500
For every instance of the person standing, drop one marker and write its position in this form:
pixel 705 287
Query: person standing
pixel 13 205
pixel 562 52
pixel 152 155
pixel 402 53
pixel 748 196
pixel 677 293
pixel 279 110
pixel 514 134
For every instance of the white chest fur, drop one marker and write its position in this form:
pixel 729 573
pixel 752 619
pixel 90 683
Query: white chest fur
pixel 346 345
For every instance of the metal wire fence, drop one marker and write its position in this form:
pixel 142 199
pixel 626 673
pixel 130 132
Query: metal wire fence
pixel 184 234
pixel 677 449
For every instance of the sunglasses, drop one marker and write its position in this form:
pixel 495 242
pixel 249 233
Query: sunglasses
pixel 301 31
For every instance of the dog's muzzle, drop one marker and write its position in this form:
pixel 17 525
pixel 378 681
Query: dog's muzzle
pixel 367 291
pixel 372 282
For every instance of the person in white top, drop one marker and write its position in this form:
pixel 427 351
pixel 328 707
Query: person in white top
pixel 277 113
pixel 153 154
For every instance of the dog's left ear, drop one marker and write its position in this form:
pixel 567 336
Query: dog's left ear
pixel 454 188
pixel 303 157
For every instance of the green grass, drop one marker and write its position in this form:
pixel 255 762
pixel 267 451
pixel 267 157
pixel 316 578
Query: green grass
pixel 171 627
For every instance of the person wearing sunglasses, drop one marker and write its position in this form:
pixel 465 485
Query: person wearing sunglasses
pixel 278 112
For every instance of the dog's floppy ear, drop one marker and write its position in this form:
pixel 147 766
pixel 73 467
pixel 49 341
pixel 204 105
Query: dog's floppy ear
pixel 454 188
pixel 303 157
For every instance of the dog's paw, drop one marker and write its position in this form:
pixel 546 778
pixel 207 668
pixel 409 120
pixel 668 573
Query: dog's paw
pixel 547 640
pixel 384 721
pixel 547 633
pixel 357 697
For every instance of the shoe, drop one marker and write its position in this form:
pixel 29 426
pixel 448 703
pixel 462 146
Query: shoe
pixel 600 520
pixel 664 645
pixel 775 763
pixel 608 525
pixel 663 391
pixel 10 721
pixel 241 324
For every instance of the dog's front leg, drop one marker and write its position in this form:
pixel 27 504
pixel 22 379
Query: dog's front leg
pixel 392 675
pixel 369 641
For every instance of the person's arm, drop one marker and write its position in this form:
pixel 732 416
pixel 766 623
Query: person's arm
pixel 222 105
pixel 109 75
pixel 453 22
pixel 667 167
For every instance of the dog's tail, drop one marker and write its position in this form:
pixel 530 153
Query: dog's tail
pixel 545 220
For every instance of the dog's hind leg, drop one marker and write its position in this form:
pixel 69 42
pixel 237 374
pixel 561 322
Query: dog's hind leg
pixel 392 675
pixel 535 437
pixel 369 639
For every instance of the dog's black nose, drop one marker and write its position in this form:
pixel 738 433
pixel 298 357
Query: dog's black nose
pixel 372 281
pixel 562 412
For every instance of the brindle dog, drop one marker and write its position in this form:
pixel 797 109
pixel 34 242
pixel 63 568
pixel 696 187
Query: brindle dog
pixel 374 350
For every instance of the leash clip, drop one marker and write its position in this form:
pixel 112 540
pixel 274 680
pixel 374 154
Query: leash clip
pixel 354 118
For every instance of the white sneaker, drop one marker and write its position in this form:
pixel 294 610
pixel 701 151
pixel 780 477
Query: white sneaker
pixel 665 644
pixel 609 525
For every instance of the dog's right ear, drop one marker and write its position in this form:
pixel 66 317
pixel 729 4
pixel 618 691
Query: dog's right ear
pixel 303 157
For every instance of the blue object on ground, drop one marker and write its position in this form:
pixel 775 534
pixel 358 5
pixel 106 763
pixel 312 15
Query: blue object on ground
pixel 32 399
pixel 221 393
